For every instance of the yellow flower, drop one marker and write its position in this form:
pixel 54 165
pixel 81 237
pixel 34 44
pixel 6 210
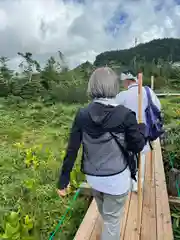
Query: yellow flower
pixel 62 155
pixel 18 145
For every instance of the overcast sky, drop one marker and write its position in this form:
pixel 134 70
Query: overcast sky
pixel 81 29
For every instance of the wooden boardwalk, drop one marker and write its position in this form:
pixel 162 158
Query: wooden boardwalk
pixel 156 220
pixel 168 94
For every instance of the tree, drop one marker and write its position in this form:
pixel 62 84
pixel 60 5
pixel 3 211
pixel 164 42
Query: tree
pixel 50 73
pixel 167 49
pixel 29 65
pixel 4 88
pixel 4 69
pixel 63 64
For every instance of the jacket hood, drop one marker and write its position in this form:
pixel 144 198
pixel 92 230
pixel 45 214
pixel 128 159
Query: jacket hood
pixel 101 112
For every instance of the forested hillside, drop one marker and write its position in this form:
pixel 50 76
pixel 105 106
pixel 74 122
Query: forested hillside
pixel 56 83
pixel 167 49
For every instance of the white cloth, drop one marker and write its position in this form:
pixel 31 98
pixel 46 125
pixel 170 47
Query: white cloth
pixel 114 185
pixel 129 99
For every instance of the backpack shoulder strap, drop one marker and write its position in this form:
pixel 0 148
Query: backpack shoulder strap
pixel 129 156
pixel 148 93
pixel 124 152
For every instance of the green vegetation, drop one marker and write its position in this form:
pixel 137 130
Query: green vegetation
pixel 167 49
pixel 56 83
pixel 153 58
pixel 171 155
pixel 172 125
pixel 33 140
pixel 53 83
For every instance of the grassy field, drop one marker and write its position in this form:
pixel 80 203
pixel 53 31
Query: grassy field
pixel 32 144
pixel 171 150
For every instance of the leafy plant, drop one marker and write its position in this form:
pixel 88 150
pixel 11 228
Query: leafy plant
pixel 30 183
pixel 17 227
pixel 175 215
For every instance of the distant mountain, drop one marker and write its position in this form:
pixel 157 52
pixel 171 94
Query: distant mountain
pixel 167 49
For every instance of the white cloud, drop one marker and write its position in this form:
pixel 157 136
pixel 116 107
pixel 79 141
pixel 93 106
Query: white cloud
pixel 80 30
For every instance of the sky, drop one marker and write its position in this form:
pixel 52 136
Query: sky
pixel 82 29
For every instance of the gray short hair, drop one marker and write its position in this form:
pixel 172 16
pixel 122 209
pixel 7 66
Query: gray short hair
pixel 103 83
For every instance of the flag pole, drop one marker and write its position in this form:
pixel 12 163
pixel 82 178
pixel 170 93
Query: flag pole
pixel 139 210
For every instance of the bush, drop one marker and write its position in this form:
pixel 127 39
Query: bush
pixel 76 94
pixel 16 85
pixel 4 88
pixel 32 90
pixel 175 100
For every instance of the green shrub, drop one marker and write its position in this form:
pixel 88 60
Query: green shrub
pixel 4 88
pixel 33 143
pixel 73 94
pixel 32 90
pixel 175 100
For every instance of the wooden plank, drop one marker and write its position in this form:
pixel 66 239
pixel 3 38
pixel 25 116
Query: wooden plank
pixel 174 200
pixel 164 226
pixel 131 232
pixel 125 217
pixel 85 189
pixel 148 231
pixel 93 231
pixel 96 234
pixel 87 226
pixel 167 94
pixel 98 227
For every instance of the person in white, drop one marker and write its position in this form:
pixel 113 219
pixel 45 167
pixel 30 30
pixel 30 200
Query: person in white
pixel 129 99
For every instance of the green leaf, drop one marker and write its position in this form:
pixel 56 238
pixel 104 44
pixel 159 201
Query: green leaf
pixel 4 236
pixel 175 215
pixel 13 218
pixel 12 232
pixel 177 222
pixel 28 222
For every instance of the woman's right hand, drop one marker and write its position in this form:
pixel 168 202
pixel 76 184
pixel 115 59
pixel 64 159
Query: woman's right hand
pixel 63 192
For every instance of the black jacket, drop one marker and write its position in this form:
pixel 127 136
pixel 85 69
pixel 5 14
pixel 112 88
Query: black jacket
pixel 91 127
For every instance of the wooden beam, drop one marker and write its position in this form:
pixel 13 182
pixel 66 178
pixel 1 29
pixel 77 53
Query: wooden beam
pixel 174 200
pixel 164 226
pixel 149 204
pixel 96 234
pixel 125 216
pixel 88 224
pixel 131 231
pixel 85 189
pixel 152 82
pixel 167 94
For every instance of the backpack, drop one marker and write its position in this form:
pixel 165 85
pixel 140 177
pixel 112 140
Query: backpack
pixel 154 119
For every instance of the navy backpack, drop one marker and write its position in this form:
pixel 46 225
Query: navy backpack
pixel 154 119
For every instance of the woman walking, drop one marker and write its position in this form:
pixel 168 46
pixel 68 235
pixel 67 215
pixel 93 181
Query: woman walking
pixel 107 132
